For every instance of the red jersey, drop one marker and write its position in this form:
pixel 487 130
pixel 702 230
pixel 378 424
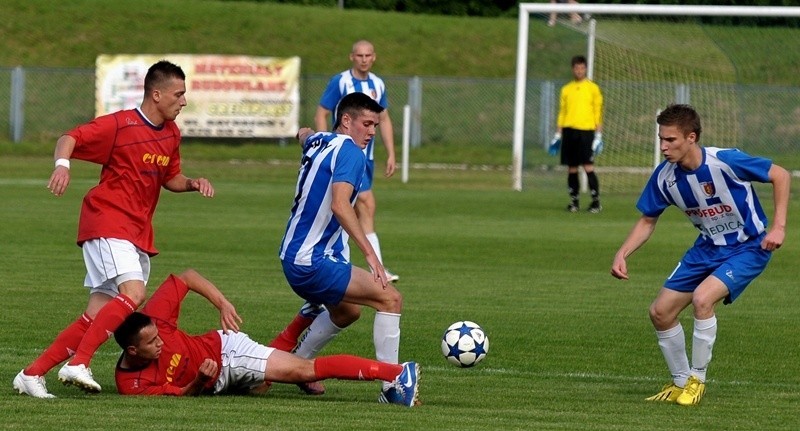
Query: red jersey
pixel 181 354
pixel 137 160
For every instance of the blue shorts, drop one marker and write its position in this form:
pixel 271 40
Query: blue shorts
pixel 369 172
pixel 324 282
pixel 735 265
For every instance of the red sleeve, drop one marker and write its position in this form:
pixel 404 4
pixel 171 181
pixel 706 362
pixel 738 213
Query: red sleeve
pixel 95 139
pixel 165 304
pixel 134 383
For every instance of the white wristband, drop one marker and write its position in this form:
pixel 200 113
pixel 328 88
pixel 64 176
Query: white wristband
pixel 62 162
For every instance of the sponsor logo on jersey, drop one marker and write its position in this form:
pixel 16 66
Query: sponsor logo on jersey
pixel 174 361
pixel 709 212
pixel 721 228
pixel 155 159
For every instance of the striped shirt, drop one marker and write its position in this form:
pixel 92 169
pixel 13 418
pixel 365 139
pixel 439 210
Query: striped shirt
pixel 312 231
pixel 718 197
pixel 581 106
pixel 345 83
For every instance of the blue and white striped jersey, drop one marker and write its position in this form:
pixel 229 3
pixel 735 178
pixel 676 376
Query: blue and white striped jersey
pixel 718 197
pixel 312 231
pixel 345 83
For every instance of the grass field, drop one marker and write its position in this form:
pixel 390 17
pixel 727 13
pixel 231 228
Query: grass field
pixel 571 347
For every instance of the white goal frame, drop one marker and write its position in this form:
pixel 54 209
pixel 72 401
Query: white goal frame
pixel 525 9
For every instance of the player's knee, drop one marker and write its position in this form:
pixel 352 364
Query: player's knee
pixel 302 370
pixel 703 306
pixel 137 296
pixel 659 317
pixel 392 301
pixel 345 316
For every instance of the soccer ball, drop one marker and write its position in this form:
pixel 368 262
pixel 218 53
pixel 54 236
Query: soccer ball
pixel 464 344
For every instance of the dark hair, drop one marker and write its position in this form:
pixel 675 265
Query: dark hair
pixel 160 73
pixel 353 104
pixel 578 59
pixel 683 116
pixel 127 334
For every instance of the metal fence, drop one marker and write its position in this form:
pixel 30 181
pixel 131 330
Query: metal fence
pixel 475 113
pixel 45 102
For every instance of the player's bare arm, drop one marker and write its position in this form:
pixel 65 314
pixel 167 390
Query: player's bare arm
pixel 206 372
pixel 346 216
pixel 640 233
pixel 781 183
pixel 321 119
pixel 387 136
pixel 181 183
pixel 228 317
pixel 303 134
pixel 59 179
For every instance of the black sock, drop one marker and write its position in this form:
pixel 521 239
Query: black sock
pixel 573 187
pixel 594 186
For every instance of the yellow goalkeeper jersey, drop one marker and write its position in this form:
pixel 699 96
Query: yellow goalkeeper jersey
pixel 581 106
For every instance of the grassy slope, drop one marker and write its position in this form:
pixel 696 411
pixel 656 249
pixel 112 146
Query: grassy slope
pixel 36 33
pixel 72 34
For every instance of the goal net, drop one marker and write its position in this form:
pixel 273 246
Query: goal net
pixel 736 65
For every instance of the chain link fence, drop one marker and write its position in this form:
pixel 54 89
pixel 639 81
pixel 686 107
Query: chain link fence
pixel 474 114
pixel 42 103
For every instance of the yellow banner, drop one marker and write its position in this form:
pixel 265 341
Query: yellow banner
pixel 227 96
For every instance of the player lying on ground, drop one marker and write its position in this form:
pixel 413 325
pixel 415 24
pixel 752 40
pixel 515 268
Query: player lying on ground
pixel 160 359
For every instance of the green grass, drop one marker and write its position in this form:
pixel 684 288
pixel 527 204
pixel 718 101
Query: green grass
pixel 36 33
pixel 42 33
pixel 571 348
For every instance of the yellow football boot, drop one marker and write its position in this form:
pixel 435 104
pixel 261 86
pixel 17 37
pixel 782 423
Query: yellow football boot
pixel 669 394
pixel 692 393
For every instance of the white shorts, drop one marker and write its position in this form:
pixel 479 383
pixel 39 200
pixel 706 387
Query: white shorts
pixel 244 363
pixel 111 262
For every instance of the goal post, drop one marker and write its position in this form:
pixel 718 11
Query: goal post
pixel 717 82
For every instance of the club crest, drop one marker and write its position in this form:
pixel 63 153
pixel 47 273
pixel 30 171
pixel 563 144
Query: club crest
pixel 708 189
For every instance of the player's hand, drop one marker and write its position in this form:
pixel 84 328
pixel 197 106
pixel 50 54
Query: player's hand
pixel 208 370
pixel 304 133
pixel 378 271
pixel 619 269
pixel 597 144
pixel 203 186
pixel 59 180
pixel 229 318
pixel 391 166
pixel 555 145
pixel 773 240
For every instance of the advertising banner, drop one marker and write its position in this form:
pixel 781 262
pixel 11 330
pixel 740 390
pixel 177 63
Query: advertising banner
pixel 227 96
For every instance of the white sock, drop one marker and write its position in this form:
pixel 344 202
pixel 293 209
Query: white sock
pixel 673 347
pixel 321 331
pixel 705 333
pixel 386 336
pixel 376 245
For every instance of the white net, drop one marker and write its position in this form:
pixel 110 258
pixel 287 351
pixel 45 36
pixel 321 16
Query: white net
pixel 741 79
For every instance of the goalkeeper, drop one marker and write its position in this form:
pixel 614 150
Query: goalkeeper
pixel 579 133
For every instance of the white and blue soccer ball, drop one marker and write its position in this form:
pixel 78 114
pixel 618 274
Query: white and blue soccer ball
pixel 464 344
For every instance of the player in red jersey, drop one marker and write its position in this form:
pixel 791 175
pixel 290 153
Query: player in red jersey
pixel 139 152
pixel 160 359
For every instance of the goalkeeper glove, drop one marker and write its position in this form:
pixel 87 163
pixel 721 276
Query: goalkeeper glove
pixel 597 144
pixel 555 145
